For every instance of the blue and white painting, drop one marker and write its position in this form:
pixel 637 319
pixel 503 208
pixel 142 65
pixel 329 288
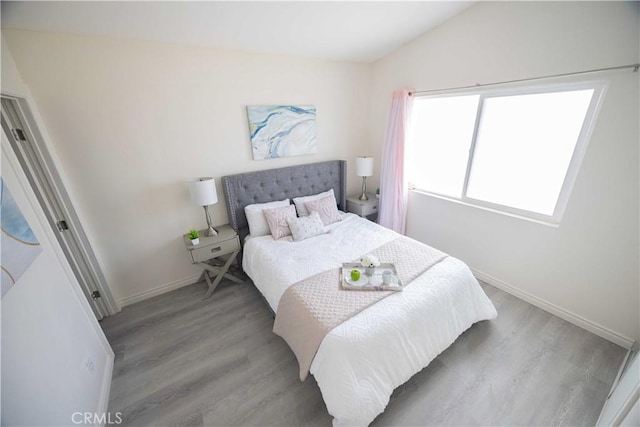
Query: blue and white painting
pixel 19 245
pixel 282 130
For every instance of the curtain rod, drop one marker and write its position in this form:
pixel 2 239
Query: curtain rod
pixel 477 85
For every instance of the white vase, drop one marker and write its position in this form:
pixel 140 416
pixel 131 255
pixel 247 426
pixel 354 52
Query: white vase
pixel 369 271
pixel 195 242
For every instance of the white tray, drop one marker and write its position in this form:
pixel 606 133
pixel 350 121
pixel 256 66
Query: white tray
pixel 372 282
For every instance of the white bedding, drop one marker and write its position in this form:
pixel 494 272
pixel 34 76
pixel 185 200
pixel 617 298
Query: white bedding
pixel 361 361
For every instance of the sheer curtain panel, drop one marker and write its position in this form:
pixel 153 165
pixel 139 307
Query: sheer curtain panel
pixel 393 185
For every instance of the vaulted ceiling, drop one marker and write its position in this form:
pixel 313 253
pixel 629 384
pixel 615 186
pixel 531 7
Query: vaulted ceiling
pixel 358 31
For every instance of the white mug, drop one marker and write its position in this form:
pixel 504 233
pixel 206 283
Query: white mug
pixel 387 277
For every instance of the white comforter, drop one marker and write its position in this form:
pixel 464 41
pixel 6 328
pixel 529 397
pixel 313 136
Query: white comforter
pixel 361 361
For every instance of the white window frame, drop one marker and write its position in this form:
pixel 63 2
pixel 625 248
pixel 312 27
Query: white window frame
pixel 599 87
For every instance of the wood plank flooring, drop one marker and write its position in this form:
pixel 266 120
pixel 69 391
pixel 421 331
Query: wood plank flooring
pixel 182 361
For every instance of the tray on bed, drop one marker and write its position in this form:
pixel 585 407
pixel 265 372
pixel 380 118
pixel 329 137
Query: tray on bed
pixel 369 283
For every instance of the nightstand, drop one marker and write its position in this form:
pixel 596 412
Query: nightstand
pixel 364 208
pixel 226 242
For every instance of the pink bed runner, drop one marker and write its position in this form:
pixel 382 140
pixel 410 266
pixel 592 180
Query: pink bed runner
pixel 314 306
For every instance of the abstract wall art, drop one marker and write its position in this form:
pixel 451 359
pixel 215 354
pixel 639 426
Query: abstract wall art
pixel 19 245
pixel 282 130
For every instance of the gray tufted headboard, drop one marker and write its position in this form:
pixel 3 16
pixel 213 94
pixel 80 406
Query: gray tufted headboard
pixel 282 183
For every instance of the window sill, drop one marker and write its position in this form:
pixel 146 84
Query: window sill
pixel 485 208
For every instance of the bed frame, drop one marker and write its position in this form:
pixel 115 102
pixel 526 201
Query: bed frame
pixel 282 183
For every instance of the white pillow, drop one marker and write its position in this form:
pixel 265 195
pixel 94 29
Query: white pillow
pixel 306 226
pixel 258 225
pixel 300 201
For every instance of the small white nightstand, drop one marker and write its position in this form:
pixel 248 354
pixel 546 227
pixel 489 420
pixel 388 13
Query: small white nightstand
pixel 226 242
pixel 364 208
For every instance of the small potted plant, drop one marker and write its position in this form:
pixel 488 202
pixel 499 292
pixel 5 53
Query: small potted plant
pixel 194 236
pixel 370 262
pixel 378 193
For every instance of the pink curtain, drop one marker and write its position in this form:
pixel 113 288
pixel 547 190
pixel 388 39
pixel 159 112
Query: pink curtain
pixel 393 186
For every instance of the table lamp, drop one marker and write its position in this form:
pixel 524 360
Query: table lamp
pixel 203 193
pixel 364 168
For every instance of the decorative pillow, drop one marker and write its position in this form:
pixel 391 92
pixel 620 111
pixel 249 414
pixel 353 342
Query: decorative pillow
pixel 300 201
pixel 257 222
pixel 306 226
pixel 277 220
pixel 326 208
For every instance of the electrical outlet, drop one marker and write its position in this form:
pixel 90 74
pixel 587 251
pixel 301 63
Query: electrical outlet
pixel 91 367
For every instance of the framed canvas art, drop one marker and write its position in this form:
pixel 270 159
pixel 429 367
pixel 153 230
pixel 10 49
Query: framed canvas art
pixel 282 130
pixel 19 245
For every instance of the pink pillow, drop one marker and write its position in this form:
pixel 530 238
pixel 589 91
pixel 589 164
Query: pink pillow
pixel 326 208
pixel 277 220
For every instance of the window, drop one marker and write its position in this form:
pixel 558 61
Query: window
pixel 512 150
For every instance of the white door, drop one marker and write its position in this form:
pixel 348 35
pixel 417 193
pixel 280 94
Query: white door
pixel 621 408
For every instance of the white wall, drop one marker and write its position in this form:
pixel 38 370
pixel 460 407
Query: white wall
pixel 587 269
pixel 48 329
pixel 11 80
pixel 132 121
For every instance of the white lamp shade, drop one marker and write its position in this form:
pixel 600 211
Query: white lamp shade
pixel 203 191
pixel 364 166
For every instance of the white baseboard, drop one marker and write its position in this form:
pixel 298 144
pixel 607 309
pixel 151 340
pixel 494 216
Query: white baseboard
pixel 167 287
pixel 590 326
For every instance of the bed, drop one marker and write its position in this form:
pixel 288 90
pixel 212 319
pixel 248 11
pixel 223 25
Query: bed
pixel 361 361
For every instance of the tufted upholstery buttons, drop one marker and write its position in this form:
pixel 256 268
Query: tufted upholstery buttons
pixel 276 184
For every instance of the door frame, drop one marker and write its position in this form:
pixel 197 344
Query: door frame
pixel 42 174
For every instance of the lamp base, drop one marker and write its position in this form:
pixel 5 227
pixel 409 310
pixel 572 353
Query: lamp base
pixel 364 196
pixel 210 231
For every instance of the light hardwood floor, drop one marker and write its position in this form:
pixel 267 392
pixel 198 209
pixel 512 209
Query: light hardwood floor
pixel 188 362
